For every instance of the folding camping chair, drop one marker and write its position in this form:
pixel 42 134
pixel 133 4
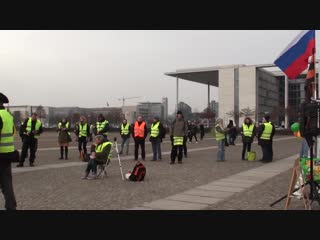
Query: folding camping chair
pixel 102 169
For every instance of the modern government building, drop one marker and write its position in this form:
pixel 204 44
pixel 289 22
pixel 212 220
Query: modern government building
pixel 261 88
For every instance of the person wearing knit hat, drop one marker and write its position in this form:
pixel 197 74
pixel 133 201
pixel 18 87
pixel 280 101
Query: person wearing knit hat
pixel 7 151
pixel 178 131
pixel 265 135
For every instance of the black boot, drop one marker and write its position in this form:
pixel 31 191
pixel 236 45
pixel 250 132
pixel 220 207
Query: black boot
pixel 61 153
pixel 66 152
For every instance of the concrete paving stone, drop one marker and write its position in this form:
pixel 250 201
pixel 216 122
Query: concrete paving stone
pixel 220 188
pixel 194 199
pixel 208 193
pixel 238 179
pixel 259 178
pixel 232 184
pixel 258 174
pixel 165 204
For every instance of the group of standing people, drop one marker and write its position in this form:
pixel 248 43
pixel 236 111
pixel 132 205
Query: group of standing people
pixel 248 131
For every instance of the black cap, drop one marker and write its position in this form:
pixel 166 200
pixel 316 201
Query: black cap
pixel 179 112
pixel 3 98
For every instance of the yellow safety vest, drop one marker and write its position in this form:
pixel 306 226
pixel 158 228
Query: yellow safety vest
pixel 101 125
pixel 37 127
pixel 247 131
pixel 6 134
pixel 102 146
pixel 83 130
pixel 125 129
pixel 219 136
pixel 266 134
pixel 67 126
pixel 177 141
pixel 155 129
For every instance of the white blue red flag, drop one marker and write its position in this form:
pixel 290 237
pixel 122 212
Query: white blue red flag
pixel 294 59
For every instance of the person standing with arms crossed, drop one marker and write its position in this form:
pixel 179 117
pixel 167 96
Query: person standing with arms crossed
pixel 156 133
pixel 31 128
pixel 139 135
pixel 265 136
pixel 125 131
pixel 7 150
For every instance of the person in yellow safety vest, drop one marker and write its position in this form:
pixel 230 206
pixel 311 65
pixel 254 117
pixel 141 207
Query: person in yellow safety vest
pixel 248 131
pixel 83 133
pixel 220 132
pixel 102 126
pixel 31 128
pixel 139 134
pixel 6 154
pixel 265 136
pixel 178 132
pixel 125 131
pixel 156 134
pixel 64 137
pixel 101 152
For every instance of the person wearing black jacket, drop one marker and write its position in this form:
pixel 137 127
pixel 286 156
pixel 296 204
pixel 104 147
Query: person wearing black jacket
pixel 201 126
pixel 232 133
pixel 6 154
pixel 265 135
pixel 139 134
pixel 248 131
pixel 156 134
pixel 102 127
pixel 31 129
pixel 125 131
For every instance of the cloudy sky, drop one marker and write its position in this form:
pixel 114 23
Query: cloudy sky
pixel 91 68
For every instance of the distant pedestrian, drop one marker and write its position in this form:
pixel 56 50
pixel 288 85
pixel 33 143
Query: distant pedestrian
pixel 220 138
pixel 193 132
pixel 7 150
pixel 125 131
pixel 64 137
pixel 139 134
pixel 232 133
pixel 156 133
pixel 201 126
pixel 178 130
pixel 31 128
pixel 248 131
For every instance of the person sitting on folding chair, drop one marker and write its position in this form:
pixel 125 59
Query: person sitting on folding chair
pixel 101 152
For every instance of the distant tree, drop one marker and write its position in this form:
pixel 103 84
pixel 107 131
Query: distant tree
pixel 247 112
pixel 17 118
pixel 207 113
pixel 233 114
pixel 41 112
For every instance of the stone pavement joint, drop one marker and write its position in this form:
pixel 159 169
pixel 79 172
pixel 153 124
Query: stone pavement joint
pixel 202 196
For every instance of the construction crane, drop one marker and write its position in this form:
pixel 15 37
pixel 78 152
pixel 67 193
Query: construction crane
pixel 123 99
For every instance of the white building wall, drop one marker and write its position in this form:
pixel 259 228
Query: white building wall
pixel 247 89
pixel 226 93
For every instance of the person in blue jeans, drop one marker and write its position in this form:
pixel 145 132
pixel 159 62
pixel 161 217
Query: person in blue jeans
pixel 220 132
pixel 156 133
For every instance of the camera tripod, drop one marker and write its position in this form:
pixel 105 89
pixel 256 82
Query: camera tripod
pixel 314 186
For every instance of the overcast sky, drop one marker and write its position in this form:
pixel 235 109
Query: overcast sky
pixel 91 68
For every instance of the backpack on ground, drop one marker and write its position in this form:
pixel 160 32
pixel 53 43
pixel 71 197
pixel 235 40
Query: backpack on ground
pixel 138 173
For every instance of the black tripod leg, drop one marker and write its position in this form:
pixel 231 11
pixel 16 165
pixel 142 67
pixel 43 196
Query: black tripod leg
pixel 284 197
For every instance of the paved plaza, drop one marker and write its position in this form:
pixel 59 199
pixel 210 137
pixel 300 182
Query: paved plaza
pixel 199 183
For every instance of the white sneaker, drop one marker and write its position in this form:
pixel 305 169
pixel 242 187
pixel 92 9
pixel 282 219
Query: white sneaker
pixel 92 177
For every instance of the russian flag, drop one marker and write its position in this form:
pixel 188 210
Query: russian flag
pixel 294 59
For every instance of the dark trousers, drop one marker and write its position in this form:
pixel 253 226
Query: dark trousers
pixel 32 143
pixel 246 147
pixel 82 144
pixel 267 151
pixel 139 142
pixel 176 150
pixel 92 165
pixel 65 150
pixel 6 184
pixel 201 135
pixel 156 149
pixel 193 135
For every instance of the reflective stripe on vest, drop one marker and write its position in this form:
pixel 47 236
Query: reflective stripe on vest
pixel 101 125
pixel 155 130
pixel 102 146
pixel 177 141
pixel 125 130
pixel 266 134
pixel 247 131
pixel 139 130
pixel 219 136
pixel 83 130
pixel 66 126
pixel 6 137
pixel 37 127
